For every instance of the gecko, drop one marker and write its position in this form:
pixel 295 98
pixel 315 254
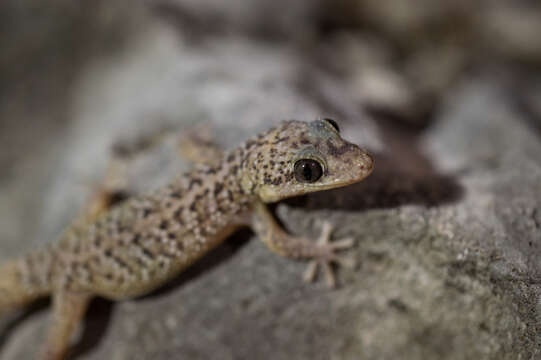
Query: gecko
pixel 134 247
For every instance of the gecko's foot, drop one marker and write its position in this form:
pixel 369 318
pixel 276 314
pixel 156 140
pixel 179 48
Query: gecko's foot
pixel 326 256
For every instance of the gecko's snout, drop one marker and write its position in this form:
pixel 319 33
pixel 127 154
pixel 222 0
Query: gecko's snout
pixel 367 164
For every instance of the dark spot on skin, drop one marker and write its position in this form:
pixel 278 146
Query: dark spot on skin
pixel 122 263
pixel 194 181
pixel 147 253
pixel 279 140
pixel 164 224
pixel 267 180
pixel 218 187
pixel 210 171
pixel 230 158
pixel 136 239
pixel 178 213
pixel 176 194
pixel 109 276
pixel 221 209
pixel 140 262
pixel 203 231
pixel 338 151
pixel 234 169
pixel 250 143
pixel 193 206
pixel 171 236
pixel 146 212
pixel 272 162
pixel 277 181
pixel 108 253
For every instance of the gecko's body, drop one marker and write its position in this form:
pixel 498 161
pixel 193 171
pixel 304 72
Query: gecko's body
pixel 145 241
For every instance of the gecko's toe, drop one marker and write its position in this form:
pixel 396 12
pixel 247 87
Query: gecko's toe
pixel 329 274
pixel 310 272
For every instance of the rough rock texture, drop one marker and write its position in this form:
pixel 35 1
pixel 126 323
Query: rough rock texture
pixel 448 226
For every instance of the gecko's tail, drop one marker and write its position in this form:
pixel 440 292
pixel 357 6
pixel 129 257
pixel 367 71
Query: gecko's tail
pixel 25 279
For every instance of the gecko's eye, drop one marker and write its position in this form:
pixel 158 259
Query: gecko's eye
pixel 333 124
pixel 307 170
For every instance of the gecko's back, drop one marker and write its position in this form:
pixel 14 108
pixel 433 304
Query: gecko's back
pixel 145 241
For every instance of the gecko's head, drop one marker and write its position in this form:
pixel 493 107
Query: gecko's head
pixel 296 158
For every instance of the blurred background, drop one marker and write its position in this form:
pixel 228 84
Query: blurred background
pixel 446 94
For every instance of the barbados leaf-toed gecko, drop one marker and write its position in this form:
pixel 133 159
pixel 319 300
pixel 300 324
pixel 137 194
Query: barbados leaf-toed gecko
pixel 146 240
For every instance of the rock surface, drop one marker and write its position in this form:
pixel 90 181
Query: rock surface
pixel 448 226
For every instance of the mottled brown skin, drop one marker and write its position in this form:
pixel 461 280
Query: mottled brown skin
pixel 145 241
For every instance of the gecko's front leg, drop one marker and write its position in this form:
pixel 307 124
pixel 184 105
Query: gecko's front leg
pixel 321 253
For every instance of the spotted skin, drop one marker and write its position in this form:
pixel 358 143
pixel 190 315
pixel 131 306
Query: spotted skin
pixel 130 249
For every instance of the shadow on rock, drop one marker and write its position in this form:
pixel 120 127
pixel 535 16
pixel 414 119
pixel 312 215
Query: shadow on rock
pixel 95 327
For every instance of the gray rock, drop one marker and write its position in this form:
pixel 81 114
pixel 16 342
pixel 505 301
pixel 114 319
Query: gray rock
pixel 448 226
